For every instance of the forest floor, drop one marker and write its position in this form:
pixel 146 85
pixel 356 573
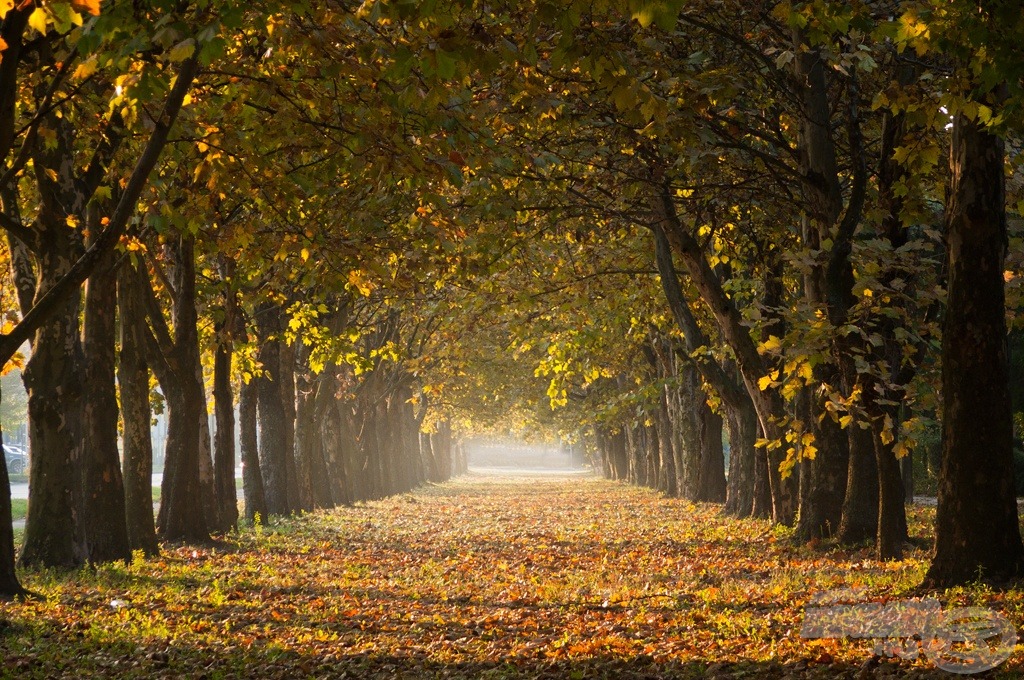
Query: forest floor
pixel 481 577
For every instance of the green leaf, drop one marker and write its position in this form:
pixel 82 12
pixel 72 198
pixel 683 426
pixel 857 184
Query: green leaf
pixel 445 65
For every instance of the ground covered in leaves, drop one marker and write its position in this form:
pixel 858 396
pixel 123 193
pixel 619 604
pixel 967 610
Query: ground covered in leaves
pixel 490 577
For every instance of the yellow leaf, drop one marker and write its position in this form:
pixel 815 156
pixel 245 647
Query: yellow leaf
pixel 16 362
pixel 772 344
pixel 38 20
pixel 305 254
pixel 5 7
pixel 86 68
pixel 886 435
pixel 356 280
pixel 806 372
pixel 845 421
pixel 764 382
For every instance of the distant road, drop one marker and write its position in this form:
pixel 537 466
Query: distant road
pixel 510 471
pixel 21 490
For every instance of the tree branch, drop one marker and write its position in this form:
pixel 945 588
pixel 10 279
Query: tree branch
pixel 79 272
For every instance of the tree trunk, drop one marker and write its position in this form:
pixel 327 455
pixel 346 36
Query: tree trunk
pixel 768 403
pixel 182 514
pixel 207 476
pixel 977 532
pixel 52 380
pixel 907 474
pixel 287 382
pixel 53 375
pixel 711 470
pixel 10 587
pixel 742 423
pixel 825 475
pixel 137 444
pixel 667 478
pixel 340 451
pixel 103 509
pixel 273 435
pixel 307 436
pixel 892 517
pixel 860 503
pixel 762 485
pixel 224 413
pixel 252 478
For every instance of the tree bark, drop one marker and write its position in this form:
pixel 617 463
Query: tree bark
pixel 860 503
pixel 892 517
pixel 273 437
pixel 667 477
pixel 287 382
pixel 307 437
pixel 742 423
pixel 711 470
pixel 182 514
pixel 825 476
pixel 768 403
pixel 252 478
pixel 977 532
pixel 103 508
pixel 137 444
pixel 10 586
pixel 53 374
pixel 224 413
pixel 207 476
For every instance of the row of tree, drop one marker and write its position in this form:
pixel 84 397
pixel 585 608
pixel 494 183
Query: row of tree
pixel 677 217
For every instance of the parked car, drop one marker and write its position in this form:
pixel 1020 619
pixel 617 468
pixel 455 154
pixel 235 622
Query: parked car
pixel 16 459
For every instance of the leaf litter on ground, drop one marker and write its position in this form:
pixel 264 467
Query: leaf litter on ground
pixel 497 577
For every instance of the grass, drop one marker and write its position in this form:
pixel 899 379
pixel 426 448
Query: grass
pixel 479 577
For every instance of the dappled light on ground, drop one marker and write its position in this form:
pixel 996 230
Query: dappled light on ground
pixel 487 576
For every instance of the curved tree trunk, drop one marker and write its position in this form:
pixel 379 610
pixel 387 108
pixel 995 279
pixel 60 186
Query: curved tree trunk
pixel 182 513
pixel 768 403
